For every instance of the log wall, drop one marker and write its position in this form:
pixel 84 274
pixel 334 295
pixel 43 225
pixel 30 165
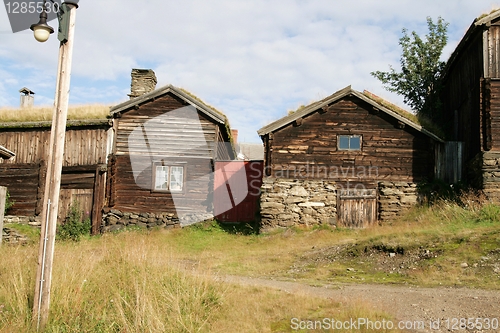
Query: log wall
pixel 390 151
pixel 157 132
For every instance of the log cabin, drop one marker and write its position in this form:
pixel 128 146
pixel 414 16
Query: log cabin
pixel 166 143
pixel 349 160
pixel 148 161
pixel 84 167
pixel 471 103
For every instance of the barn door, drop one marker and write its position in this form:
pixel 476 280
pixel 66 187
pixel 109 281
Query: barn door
pixel 356 208
pixel 82 197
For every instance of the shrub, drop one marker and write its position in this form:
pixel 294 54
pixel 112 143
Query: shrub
pixel 8 202
pixel 74 226
pixel 489 213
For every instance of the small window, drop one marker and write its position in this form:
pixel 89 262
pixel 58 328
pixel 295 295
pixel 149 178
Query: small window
pixel 349 142
pixel 176 178
pixel 169 178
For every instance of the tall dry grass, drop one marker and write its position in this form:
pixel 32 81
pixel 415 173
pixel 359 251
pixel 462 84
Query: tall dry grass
pixel 141 282
pixel 78 112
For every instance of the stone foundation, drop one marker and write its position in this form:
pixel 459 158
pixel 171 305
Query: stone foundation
pixel 114 220
pixel 302 202
pixel 287 202
pixel 491 175
pixel 394 198
pixel 11 236
pixel 31 220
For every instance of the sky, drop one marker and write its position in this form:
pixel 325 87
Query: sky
pixel 254 60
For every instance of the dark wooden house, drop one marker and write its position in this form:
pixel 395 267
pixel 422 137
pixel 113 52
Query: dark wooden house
pixel 84 166
pixel 165 148
pixel 348 159
pixel 471 102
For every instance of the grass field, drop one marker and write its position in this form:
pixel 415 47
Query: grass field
pixel 163 281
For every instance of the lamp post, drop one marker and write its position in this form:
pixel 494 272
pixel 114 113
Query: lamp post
pixel 66 16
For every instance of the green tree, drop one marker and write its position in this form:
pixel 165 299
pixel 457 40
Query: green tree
pixel 421 68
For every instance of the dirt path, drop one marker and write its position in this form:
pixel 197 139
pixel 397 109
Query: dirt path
pixel 412 305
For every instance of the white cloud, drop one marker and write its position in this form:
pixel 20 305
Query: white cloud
pixel 253 59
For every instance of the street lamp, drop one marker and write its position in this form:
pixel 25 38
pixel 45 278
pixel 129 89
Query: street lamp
pixel 66 14
pixel 42 30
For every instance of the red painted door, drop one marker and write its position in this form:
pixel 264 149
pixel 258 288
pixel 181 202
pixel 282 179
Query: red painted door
pixel 237 190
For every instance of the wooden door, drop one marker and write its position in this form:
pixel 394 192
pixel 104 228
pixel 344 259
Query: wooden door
pixel 356 208
pixel 82 197
pixel 237 190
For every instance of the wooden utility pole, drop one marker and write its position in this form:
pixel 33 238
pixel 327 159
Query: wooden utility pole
pixel 3 197
pixel 53 179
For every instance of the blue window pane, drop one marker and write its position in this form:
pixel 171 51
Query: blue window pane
pixel 343 142
pixel 355 143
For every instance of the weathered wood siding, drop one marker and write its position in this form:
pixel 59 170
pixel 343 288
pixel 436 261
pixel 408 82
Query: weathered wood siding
pixel 461 96
pixel 83 145
pixel 490 115
pixel 22 182
pixel 491 40
pixel 177 137
pixel 190 142
pixel 24 175
pixel 129 194
pixel 308 149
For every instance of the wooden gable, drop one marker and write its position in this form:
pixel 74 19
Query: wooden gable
pixel 171 128
pixel 308 146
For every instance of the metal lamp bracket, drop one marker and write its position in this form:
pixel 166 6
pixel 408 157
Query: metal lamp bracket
pixel 63 23
pixel 63 18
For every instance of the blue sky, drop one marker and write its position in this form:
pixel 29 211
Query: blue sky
pixel 252 59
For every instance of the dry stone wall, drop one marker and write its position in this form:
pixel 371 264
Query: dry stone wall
pixel 491 175
pixel 287 202
pixel 304 202
pixel 394 198
pixel 115 220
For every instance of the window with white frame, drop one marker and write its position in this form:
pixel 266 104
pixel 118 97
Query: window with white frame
pixel 349 142
pixel 168 178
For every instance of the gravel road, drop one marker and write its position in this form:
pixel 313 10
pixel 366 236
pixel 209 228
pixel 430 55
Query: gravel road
pixel 420 309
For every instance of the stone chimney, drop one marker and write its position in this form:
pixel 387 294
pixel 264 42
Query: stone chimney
pixel 143 82
pixel 27 98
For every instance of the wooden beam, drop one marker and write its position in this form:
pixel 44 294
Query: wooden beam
pixel 98 200
pixel 3 197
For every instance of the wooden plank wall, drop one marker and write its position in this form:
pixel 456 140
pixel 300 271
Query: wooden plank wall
pixel 171 140
pixel 172 136
pixel 491 115
pixel 461 97
pixel 388 152
pixel 22 182
pixel 131 196
pixel 83 146
pixel 224 150
pixel 449 163
pixel 493 57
